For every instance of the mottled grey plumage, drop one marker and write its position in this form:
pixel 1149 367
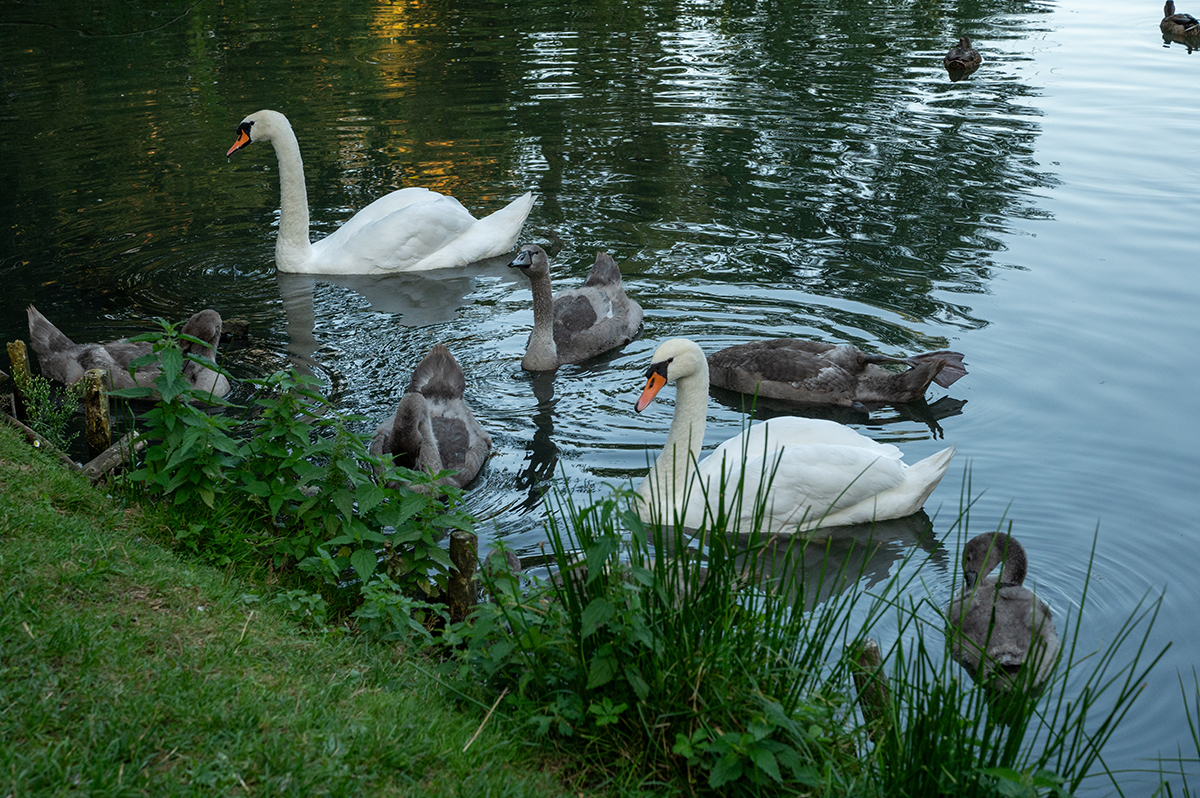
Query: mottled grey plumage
pixel 65 361
pixel 814 372
pixel 1000 616
pixel 578 323
pixel 433 427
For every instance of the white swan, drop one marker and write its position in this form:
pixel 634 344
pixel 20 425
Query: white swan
pixel 413 229
pixel 433 428
pixel 996 623
pixel 825 474
pixel 577 323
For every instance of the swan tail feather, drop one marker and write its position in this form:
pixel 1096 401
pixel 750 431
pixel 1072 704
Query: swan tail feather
pixel 926 474
pixel 438 375
pixel 44 337
pixel 492 235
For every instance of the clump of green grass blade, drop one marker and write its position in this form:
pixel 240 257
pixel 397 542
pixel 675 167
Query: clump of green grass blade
pixel 688 660
pixel 720 665
pixel 126 671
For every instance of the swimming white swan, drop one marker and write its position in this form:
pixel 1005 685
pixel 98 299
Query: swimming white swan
pixel 825 474
pixel 413 229
pixel 1000 616
pixel 65 361
pixel 577 323
pixel 815 372
pixel 433 428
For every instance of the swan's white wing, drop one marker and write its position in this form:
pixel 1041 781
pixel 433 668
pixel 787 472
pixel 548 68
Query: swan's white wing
pixel 779 433
pixel 395 231
pixel 809 481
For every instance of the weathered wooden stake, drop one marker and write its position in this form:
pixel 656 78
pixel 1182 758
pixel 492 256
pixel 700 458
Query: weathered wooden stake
pixel 872 686
pixel 464 555
pixel 120 452
pixel 95 413
pixel 20 373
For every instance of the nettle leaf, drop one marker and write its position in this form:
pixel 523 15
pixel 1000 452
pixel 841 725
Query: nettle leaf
pixel 602 668
pixel 634 677
pixel 369 497
pixel 597 613
pixel 344 503
pixel 454 521
pixel 764 760
pixel 727 769
pixel 364 562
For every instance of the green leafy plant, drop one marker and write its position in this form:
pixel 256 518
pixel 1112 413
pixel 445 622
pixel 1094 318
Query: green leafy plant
pixel 46 414
pixel 286 482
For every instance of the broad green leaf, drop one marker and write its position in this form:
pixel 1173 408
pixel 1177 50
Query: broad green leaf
pixel 364 562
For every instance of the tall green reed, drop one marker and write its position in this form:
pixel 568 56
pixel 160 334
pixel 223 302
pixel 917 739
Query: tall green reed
pixel 720 664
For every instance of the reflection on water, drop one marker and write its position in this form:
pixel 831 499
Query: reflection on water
pixel 863 555
pixel 416 299
pixel 758 170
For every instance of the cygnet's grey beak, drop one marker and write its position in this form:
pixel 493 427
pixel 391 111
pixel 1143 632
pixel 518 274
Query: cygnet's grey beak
pixel 523 260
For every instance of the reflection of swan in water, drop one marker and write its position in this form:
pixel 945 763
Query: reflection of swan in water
pixel 919 410
pixel 541 454
pixel 845 556
pixel 859 554
pixel 418 299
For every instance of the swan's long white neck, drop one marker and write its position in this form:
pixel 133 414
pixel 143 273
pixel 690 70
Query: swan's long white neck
pixel 667 484
pixel 541 354
pixel 292 246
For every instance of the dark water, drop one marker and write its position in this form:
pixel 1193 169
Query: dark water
pixel 757 169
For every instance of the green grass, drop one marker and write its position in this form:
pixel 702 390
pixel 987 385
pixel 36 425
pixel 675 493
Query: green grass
pixel 127 671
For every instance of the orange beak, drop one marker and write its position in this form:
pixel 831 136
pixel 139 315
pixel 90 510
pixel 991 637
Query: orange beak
pixel 243 138
pixel 654 384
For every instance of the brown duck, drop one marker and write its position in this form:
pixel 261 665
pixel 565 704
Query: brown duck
pixel 1178 24
pixel 963 58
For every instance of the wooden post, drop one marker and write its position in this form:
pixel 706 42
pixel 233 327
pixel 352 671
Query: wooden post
pixel 121 452
pixel 873 696
pixel 20 373
pixel 95 412
pixel 464 555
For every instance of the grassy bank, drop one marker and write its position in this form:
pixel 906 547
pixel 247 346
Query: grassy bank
pixel 125 670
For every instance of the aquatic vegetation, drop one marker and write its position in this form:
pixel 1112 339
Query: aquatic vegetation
pixel 725 665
